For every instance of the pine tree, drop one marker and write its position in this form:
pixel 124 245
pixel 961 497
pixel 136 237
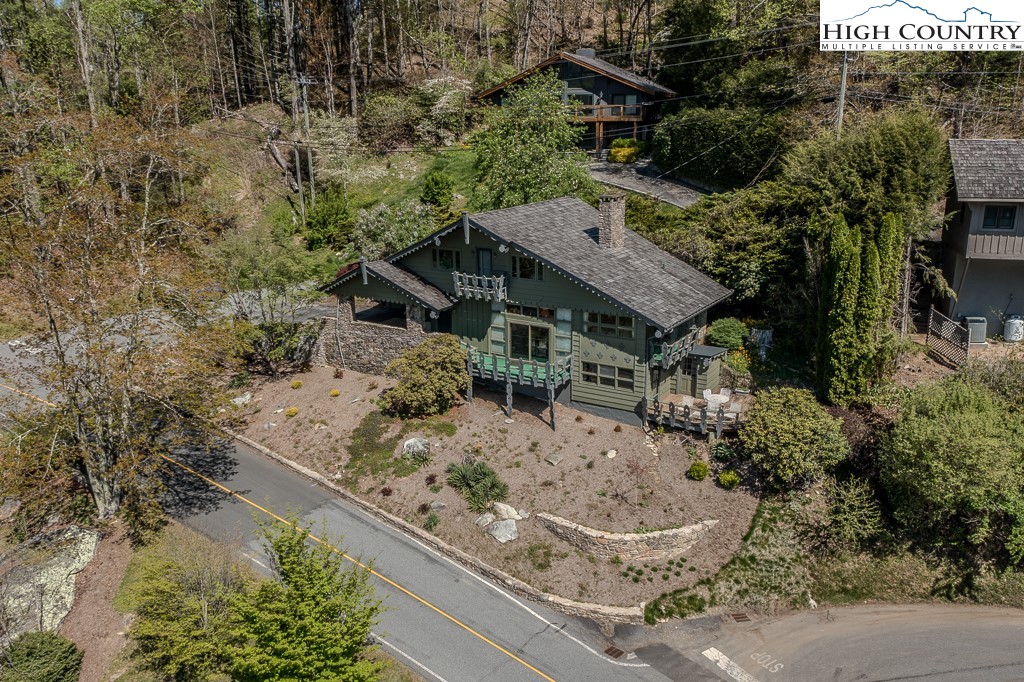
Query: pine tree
pixel 310 624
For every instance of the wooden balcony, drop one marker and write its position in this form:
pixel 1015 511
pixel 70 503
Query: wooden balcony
pixel 624 113
pixel 480 287
pixel 515 371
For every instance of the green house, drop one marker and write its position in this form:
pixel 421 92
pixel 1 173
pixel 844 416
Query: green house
pixel 555 299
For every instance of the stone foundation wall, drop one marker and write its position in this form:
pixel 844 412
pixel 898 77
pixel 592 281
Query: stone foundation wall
pixel 663 544
pixel 366 346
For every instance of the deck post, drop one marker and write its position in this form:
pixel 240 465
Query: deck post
pixel 672 415
pixel 719 418
pixel 551 399
pixel 643 410
pixel 508 394
pixel 469 370
pixel 703 420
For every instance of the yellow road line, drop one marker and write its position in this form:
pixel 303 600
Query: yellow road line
pixel 333 549
pixel 364 566
pixel 28 395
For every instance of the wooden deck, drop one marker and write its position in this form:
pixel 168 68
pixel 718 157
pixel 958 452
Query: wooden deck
pixel 694 414
pixel 523 372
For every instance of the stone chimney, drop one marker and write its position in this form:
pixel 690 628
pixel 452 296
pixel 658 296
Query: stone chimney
pixel 612 228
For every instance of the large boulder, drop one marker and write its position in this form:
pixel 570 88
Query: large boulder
pixel 504 531
pixel 416 449
pixel 504 511
pixel 485 519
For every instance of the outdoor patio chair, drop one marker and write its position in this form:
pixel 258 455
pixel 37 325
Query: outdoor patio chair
pixel 707 394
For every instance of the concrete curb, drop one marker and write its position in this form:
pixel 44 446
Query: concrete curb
pixel 605 616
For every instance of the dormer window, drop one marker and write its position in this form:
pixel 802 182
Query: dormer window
pixel 999 218
pixel 526 268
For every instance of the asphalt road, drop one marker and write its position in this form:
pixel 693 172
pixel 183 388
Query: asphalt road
pixel 444 621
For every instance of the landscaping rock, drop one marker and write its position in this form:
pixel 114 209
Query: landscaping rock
pixel 242 400
pixel 485 519
pixel 505 511
pixel 415 448
pixel 438 505
pixel 611 454
pixel 553 459
pixel 504 531
pixel 524 514
pixel 9 508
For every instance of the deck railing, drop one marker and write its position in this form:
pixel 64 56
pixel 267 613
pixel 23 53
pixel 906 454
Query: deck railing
pixel 690 418
pixel 516 371
pixel 616 112
pixel 480 287
pixel 668 353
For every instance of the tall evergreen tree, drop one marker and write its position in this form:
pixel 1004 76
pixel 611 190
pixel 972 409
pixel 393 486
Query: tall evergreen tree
pixel 838 339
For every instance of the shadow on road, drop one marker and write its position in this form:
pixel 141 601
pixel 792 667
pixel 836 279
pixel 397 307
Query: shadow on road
pixel 187 494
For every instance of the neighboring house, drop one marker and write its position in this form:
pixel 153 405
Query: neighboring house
pixel 610 100
pixel 555 299
pixel 984 243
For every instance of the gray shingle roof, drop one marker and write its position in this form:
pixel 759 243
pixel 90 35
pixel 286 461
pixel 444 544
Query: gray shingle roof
pixel 618 72
pixel 988 169
pixel 639 277
pixel 408 283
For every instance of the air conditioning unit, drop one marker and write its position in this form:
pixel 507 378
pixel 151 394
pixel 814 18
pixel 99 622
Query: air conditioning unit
pixel 977 328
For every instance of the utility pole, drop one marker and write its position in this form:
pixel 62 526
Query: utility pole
pixel 298 178
pixel 305 81
pixel 842 97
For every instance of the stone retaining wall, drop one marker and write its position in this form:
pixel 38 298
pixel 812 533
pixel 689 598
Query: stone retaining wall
pixel 605 616
pixel 366 347
pixel 662 544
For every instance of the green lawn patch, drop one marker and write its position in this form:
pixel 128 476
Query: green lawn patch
pixel 372 452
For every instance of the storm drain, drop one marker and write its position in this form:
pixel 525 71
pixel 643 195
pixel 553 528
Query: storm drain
pixel 614 652
pixel 741 617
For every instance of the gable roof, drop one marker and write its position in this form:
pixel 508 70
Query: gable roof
pixel 416 288
pixel 561 233
pixel 594 64
pixel 988 169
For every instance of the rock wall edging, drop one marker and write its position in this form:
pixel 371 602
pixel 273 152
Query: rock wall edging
pixel 603 615
pixel 662 544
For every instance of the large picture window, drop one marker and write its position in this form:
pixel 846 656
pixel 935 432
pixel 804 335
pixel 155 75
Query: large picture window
pixel 526 268
pixel 999 217
pixel 447 259
pixel 607 375
pixel 530 341
pixel 609 325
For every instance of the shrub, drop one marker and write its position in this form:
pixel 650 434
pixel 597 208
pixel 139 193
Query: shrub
pixel 728 479
pixel 698 471
pixel 431 521
pixel 742 144
pixel 386 492
pixel 478 484
pixel 329 221
pixel 41 657
pixel 388 121
pixel 722 451
pixel 291 412
pixel 296 385
pixel 792 438
pixel 438 190
pixel 846 518
pixel 625 143
pixel 623 154
pixel 952 469
pixel 728 332
pixel 385 229
pixel 424 508
pixel 738 361
pixel 335 393
pixel 430 377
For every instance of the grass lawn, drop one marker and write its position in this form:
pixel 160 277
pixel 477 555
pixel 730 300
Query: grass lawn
pixel 373 445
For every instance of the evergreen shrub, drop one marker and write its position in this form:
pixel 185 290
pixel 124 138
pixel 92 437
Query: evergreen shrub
pixel 41 657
